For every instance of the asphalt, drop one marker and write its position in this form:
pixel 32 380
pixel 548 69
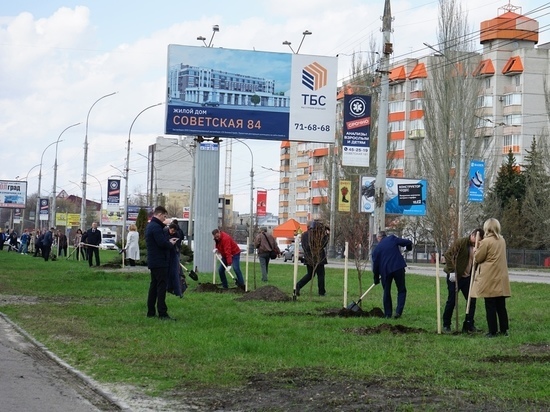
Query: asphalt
pixel 34 379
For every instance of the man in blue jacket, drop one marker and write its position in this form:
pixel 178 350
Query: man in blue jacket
pixel 388 264
pixel 158 261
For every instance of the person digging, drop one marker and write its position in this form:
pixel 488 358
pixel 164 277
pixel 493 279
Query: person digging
pixel 458 267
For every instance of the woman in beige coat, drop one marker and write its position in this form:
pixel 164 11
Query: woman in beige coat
pixel 491 281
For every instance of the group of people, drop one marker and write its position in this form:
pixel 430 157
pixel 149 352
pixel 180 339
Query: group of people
pixel 475 265
pixel 40 242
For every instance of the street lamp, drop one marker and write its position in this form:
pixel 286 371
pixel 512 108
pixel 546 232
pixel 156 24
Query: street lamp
pixel 100 188
pixel 54 191
pixel 128 171
pixel 40 183
pixel 85 166
pixel 251 228
pixel 215 29
pixel 304 34
pixel 23 217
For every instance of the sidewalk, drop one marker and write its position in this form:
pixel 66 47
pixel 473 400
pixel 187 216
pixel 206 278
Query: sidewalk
pixel 34 379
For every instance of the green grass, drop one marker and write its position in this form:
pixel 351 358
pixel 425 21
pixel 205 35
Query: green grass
pixel 96 321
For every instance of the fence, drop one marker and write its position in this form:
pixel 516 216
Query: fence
pixel 515 257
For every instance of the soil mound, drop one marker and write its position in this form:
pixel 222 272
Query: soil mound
pixel 267 293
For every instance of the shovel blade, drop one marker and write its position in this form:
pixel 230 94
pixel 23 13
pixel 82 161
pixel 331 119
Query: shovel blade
pixel 353 307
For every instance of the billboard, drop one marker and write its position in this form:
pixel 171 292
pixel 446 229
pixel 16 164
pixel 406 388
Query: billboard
pixel 261 202
pixel 13 194
pixel 356 137
pixel 476 181
pixel 44 209
pixel 250 94
pixel 403 196
pixel 113 194
pixel 344 187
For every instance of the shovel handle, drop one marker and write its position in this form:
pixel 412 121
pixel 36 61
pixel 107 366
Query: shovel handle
pixel 367 291
pixel 221 261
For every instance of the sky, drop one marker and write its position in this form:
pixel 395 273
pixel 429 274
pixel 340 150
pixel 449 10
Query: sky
pixel 58 57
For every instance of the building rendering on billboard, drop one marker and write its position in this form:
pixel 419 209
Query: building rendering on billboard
pixel 13 194
pixel 403 196
pixel 250 94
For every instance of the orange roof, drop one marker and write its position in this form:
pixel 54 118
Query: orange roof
pixel 485 68
pixel 509 26
pixel 285 143
pixel 419 71
pixel 398 74
pixel 289 229
pixel 513 65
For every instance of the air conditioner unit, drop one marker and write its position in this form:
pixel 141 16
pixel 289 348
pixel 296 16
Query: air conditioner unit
pixel 417 134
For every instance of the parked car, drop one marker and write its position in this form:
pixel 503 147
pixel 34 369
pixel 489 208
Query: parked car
pixel 108 244
pixel 210 103
pixel 288 253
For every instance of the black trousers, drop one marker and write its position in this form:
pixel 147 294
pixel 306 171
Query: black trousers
pixel 93 251
pixel 320 272
pixel 496 308
pixel 464 287
pixel 157 292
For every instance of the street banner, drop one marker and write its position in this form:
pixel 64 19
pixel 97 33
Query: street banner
pixel 13 194
pixel 344 190
pixel 73 220
pixel 476 180
pixel 356 135
pixel 113 194
pixel 403 196
pixel 44 209
pixel 251 94
pixel 261 203
pixel 61 219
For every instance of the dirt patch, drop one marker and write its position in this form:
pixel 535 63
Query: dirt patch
pixel 535 348
pixel 18 300
pixel 384 327
pixel 211 288
pixel 266 293
pixel 517 359
pixel 346 313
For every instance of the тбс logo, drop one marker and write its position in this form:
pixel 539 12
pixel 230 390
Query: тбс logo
pixel 314 76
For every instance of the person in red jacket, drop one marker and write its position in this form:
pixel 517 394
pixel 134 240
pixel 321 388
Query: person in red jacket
pixel 231 256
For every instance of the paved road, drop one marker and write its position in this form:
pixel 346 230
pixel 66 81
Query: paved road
pixel 33 379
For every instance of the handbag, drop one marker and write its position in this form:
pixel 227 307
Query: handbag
pixel 272 253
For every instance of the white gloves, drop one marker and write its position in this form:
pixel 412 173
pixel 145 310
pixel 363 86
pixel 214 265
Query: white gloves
pixel 228 268
pixel 452 277
pixel 215 251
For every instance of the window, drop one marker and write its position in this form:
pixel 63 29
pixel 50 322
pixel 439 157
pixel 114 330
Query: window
pixel 416 104
pixel 511 142
pixel 485 101
pixel 488 83
pixel 512 99
pixel 516 80
pixel 396 88
pixel 417 124
pixel 416 85
pixel 397 126
pixel 398 106
pixel 513 119
pixel 486 121
pixel 396 145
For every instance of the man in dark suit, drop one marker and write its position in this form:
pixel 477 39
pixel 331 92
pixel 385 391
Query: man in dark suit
pixel 388 264
pixel 93 237
pixel 47 244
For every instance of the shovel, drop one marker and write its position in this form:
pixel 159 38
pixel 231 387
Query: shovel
pixel 192 274
pixel 467 326
pixel 225 266
pixel 353 306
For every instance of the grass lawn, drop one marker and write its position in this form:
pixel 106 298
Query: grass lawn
pixel 96 321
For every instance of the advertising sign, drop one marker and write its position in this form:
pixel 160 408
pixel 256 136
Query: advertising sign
pixel 476 180
pixel 13 194
pixel 44 209
pixel 261 202
pixel 250 94
pixel 403 196
pixel 113 194
pixel 356 137
pixel 344 188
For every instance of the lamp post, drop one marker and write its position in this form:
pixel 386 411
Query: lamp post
pixel 40 183
pixel 127 171
pixel 85 166
pixel 54 191
pixel 150 194
pixel 251 228
pixel 23 217
pixel 100 188
pixel 304 34
pixel 215 29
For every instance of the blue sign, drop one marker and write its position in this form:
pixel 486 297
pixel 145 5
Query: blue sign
pixel 356 137
pixel 250 94
pixel 476 180
pixel 403 196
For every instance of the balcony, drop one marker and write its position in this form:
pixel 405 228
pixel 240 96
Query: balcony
pixel 417 134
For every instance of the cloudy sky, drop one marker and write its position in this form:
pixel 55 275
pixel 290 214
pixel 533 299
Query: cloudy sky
pixel 58 57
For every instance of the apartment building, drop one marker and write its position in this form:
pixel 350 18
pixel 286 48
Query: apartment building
pixel 511 109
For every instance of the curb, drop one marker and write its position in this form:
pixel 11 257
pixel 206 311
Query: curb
pixel 89 381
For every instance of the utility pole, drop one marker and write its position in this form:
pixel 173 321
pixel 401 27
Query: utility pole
pixel 381 152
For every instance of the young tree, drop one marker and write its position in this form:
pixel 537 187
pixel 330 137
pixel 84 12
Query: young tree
pixel 450 96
